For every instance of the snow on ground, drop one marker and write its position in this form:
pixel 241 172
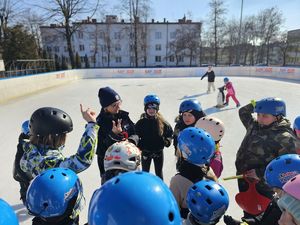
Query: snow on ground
pixel 171 91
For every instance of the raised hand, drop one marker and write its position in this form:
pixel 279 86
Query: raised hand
pixel 117 128
pixel 88 114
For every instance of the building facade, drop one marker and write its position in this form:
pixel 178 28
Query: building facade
pixel 114 43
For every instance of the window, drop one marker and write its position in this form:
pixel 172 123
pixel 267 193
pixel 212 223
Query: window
pixel 92 36
pixel 118 59
pixel 158 58
pixel 118 47
pixel 49 49
pixel 158 47
pixel 131 48
pixel 81 47
pixel 117 35
pixel 65 48
pixel 132 59
pixel 80 34
pixel 104 59
pixel 173 35
pixel 101 35
pixel 103 48
pixel 172 59
pixel 56 48
pixel 157 35
pixel 180 58
pixel 82 59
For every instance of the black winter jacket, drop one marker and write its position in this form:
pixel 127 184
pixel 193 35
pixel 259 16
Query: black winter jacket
pixel 105 135
pixel 210 75
pixel 150 139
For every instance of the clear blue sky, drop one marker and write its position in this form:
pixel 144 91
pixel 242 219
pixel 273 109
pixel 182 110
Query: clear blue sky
pixel 175 9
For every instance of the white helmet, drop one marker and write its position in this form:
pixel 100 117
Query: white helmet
pixel 122 155
pixel 214 126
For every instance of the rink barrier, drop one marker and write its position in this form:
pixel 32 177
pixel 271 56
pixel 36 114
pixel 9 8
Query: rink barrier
pixel 11 88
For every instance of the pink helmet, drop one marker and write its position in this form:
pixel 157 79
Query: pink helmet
pixel 214 126
pixel 122 155
pixel 292 187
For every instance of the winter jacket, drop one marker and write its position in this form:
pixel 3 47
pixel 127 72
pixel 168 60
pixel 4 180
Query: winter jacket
pixel 262 144
pixel 229 88
pixel 39 158
pixel 105 134
pixel 210 76
pixel 181 182
pixel 148 131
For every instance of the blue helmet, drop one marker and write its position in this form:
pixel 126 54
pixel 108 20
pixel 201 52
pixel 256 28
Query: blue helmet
pixel 7 214
pixel 207 201
pixel 196 145
pixel 297 123
pixel 151 98
pixel 133 198
pixel 25 127
pixel 273 106
pixel 226 79
pixel 282 169
pixel 51 192
pixel 189 105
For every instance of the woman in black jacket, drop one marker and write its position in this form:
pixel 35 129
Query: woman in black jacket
pixel 155 133
pixel 115 124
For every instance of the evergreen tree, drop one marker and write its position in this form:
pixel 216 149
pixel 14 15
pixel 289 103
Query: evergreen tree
pixel 86 61
pixel 19 44
pixel 77 61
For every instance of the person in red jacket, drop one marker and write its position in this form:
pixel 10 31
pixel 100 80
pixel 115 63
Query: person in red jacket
pixel 230 92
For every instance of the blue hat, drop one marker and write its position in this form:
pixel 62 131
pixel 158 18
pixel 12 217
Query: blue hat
pixel 107 96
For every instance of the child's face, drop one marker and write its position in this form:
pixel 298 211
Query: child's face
pixel 114 108
pixel 188 118
pixel 265 119
pixel 297 132
pixel 151 112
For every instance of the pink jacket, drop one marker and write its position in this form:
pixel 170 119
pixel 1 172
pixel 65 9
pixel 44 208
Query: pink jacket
pixel 230 89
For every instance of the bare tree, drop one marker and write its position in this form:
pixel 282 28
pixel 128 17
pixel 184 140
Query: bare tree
pixel 217 23
pixel 8 9
pixel 137 11
pixel 32 22
pixel 270 21
pixel 65 12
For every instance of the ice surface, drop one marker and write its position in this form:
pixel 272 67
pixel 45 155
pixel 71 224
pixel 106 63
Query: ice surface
pixel 171 91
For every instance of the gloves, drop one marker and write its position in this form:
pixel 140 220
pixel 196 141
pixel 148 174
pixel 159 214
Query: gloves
pixel 253 102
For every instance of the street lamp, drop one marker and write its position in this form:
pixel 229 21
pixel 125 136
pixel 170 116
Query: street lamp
pixel 239 38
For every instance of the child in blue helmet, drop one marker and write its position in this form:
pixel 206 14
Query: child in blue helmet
pixel 190 112
pixel 277 173
pixel 207 202
pixel 155 133
pixel 133 198
pixel 268 136
pixel 7 214
pixel 55 197
pixel 296 127
pixel 48 131
pixel 197 148
pixel 18 174
pixel 230 92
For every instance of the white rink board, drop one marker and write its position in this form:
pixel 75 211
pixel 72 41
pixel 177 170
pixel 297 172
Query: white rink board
pixel 171 91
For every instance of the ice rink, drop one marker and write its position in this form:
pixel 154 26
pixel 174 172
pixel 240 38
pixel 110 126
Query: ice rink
pixel 132 90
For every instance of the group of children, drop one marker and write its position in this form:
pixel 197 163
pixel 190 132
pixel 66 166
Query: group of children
pixel 129 196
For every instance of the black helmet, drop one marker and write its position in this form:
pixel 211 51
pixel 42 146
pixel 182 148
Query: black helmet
pixel 48 120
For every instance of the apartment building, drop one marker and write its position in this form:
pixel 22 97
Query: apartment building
pixel 114 43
